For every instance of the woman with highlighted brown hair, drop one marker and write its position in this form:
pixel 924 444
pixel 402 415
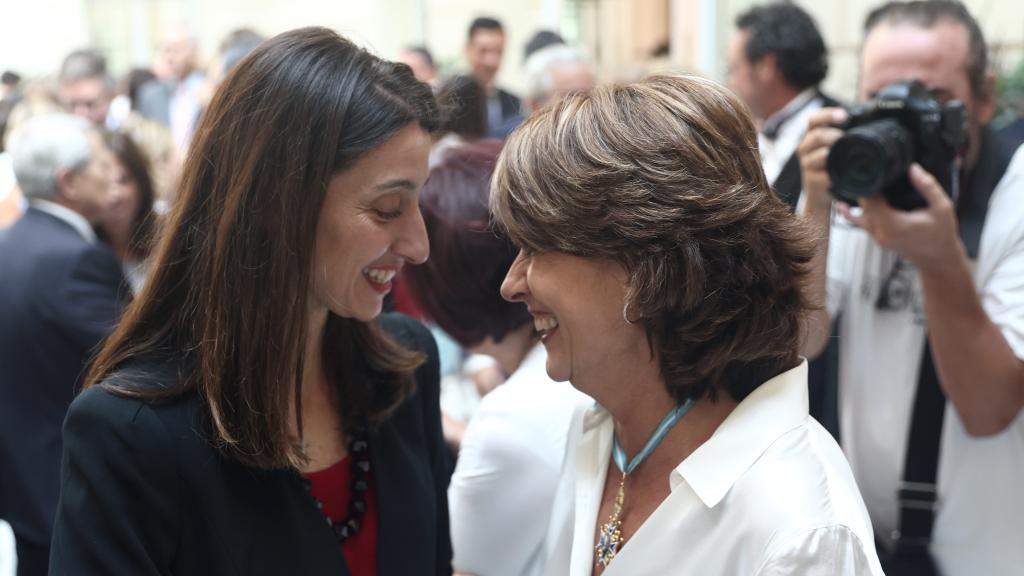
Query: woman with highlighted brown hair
pixel 667 281
pixel 253 413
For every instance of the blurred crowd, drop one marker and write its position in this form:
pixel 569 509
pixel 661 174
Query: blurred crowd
pixel 98 157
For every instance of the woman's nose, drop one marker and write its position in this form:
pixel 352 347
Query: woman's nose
pixel 514 288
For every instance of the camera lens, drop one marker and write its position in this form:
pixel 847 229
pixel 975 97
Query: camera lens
pixel 869 157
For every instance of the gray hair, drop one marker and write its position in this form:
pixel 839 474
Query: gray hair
pixel 43 147
pixel 538 67
pixel 86 64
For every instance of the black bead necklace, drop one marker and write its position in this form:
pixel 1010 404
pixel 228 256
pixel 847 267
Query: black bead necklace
pixel 359 452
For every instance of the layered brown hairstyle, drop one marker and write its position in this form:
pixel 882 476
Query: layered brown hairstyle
pixel 459 287
pixel 228 296
pixel 664 177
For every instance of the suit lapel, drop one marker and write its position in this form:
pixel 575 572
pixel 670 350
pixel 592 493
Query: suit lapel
pixel 787 185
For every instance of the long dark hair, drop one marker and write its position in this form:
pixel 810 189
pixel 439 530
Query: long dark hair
pixel 228 295
pixel 137 165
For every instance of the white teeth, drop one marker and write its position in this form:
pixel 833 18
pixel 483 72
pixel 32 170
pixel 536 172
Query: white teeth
pixel 545 324
pixel 380 276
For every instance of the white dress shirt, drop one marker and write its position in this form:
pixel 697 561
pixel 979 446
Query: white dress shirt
pixel 768 494
pixel 66 215
pixel 8 551
pixel 501 493
pixel 979 522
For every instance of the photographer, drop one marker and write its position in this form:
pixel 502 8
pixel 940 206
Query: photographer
pixel 934 298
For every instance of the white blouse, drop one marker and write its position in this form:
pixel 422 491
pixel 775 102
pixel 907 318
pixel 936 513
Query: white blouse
pixel 769 493
pixel 510 461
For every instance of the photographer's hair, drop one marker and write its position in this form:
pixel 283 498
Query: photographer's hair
pixel 785 30
pixel 228 296
pixel 925 14
pixel 459 286
pixel 664 177
pixel 483 23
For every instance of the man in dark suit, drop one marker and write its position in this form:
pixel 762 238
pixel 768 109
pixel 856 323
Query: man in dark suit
pixel 485 46
pixel 59 297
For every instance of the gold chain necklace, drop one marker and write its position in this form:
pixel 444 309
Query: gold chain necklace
pixel 611 532
pixel 611 540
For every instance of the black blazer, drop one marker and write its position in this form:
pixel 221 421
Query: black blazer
pixel 145 493
pixel 59 297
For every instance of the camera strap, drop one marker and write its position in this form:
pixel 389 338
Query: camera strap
pixel 917 493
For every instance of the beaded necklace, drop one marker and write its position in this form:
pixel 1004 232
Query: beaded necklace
pixel 359 452
pixel 610 539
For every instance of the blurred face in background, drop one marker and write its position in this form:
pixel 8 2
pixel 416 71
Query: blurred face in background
pixel 483 52
pixel 178 55
pixel 88 98
pixel 743 76
pixel 566 78
pixel 88 187
pixel 569 79
pixel 123 202
pixel 421 69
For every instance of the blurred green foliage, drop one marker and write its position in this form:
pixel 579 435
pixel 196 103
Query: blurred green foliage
pixel 1009 97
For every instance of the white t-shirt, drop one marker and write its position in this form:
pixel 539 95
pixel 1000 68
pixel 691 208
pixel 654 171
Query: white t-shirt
pixel 501 493
pixel 979 525
pixel 768 494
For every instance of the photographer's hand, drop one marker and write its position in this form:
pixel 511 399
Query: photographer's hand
pixel 926 237
pixel 813 153
pixel 816 208
pixel 981 375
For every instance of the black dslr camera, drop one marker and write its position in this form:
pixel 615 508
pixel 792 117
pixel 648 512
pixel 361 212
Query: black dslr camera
pixel 903 124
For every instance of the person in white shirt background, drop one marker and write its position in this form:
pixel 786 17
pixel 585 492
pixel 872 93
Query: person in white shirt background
pixel 503 488
pixel 668 281
pixel 948 277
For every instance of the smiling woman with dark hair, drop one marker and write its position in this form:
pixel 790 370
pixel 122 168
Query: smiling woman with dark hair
pixel 251 414
pixel 667 281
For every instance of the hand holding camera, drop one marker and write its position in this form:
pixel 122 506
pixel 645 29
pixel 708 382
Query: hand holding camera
pixel 866 156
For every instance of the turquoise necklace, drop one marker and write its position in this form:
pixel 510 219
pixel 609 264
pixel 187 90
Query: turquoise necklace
pixel 610 540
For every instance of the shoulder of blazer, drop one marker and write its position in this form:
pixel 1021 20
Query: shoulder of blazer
pixel 39 230
pixel 181 412
pixel 409 332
